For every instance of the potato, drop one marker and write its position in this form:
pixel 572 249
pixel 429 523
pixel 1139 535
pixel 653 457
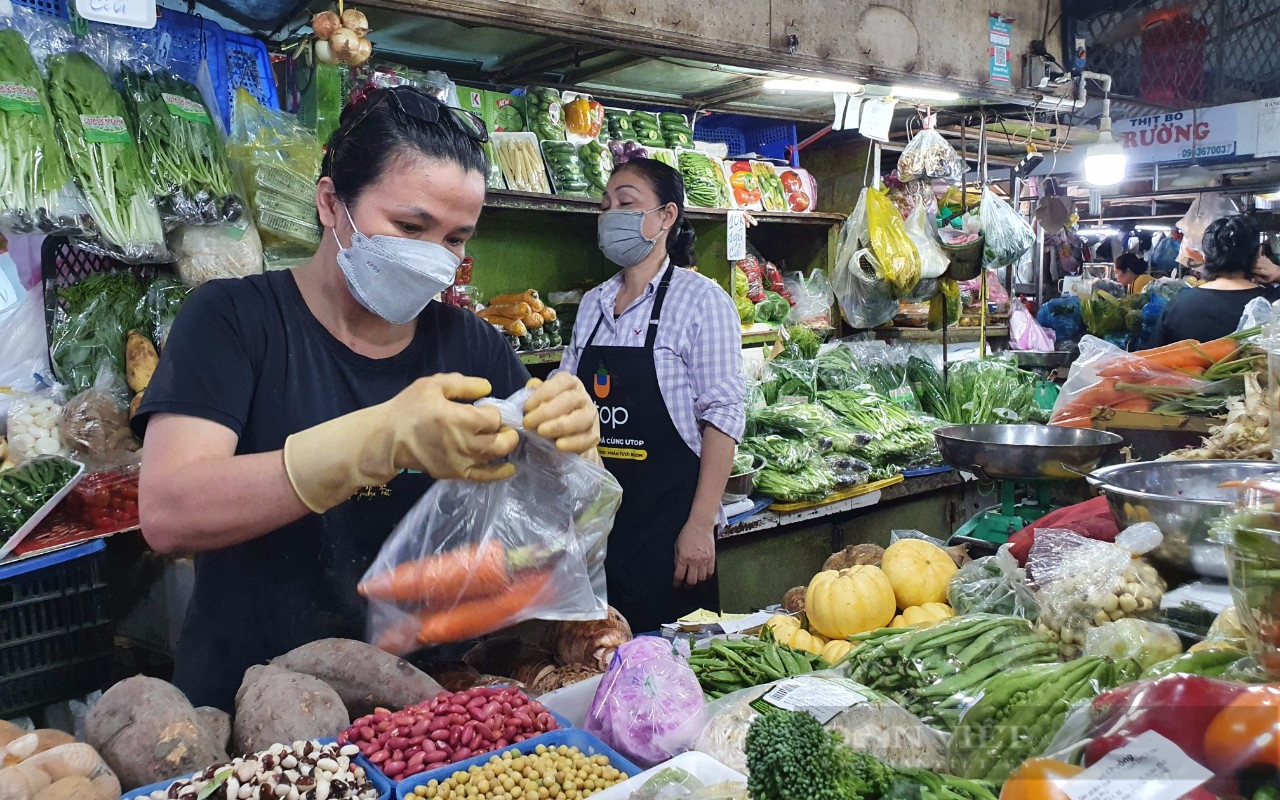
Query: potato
pixel 364 676
pixel 73 788
pixel 140 360
pixel 275 705
pixel 134 404
pixel 147 732
pixel 216 723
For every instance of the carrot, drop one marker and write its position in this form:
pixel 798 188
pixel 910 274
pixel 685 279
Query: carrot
pixel 1168 348
pixel 1189 354
pixel 472 571
pixel 472 618
pixel 1134 404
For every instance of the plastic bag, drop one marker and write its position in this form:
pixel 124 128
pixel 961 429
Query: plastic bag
pixel 1257 313
pixel 933 259
pixel 1007 234
pixel 864 296
pixel 1085 583
pixel 25 356
pixel 208 252
pixel 34 426
pixel 94 424
pixel 993 585
pixel 866 719
pixel 546 527
pixel 946 306
pixel 1094 378
pixel 1027 334
pixel 1062 315
pixel 158 308
pixel 897 254
pixel 929 156
pixel 753 268
pixel 746 308
pixel 1144 641
pixel 996 292
pixel 1205 210
pixel 812 297
pixel 1164 255
pixel 37 194
pixel 646 696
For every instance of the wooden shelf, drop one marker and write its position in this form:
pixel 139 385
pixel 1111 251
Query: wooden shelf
pixel 522 201
pixel 954 335
pixel 759 334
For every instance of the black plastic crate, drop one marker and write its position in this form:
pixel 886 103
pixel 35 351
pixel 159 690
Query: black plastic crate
pixel 56 640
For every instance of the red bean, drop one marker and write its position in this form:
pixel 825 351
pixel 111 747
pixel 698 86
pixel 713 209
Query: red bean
pixel 462 754
pixel 468 735
pixel 398 743
pixel 393 768
pixel 416 760
pixel 519 737
pixel 501 743
pixel 367 733
pixel 381 714
pixel 384 725
pixel 436 757
pixel 367 748
pixel 490 709
pixel 454 708
pixel 461 697
pixel 379 757
pixel 442 734
pixel 420 728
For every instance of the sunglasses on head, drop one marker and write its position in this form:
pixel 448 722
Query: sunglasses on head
pixel 424 108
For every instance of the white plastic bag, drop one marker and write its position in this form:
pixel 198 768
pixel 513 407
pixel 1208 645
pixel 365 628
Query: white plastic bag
pixel 861 290
pixel 472 558
pixel 206 252
pixel 933 259
pixel 813 299
pixel 1006 233
pixel 993 585
pixel 929 156
pixel 24 359
pixel 1205 210
pixel 1026 334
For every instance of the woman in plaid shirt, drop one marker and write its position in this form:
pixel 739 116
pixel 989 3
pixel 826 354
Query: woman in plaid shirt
pixel 659 347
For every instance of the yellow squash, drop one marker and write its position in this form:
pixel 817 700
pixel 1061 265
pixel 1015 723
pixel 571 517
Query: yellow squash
pixel 918 571
pixel 836 650
pixel 851 601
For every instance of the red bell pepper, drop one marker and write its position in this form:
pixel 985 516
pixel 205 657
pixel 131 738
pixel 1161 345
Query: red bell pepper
pixel 1246 733
pixel 1178 707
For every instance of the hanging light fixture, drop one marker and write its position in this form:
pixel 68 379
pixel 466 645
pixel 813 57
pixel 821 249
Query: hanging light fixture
pixel 1105 161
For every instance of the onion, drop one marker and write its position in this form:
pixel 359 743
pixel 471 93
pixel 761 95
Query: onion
pixel 345 44
pixel 324 53
pixel 325 23
pixel 363 51
pixel 356 21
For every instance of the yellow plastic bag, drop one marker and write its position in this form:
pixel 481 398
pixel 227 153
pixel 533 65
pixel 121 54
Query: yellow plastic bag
pixel 945 305
pixel 895 251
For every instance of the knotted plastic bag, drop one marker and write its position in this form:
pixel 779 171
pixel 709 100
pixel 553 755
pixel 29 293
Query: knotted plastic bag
pixel 899 259
pixel 1007 234
pixel 929 156
pixel 861 290
pixel 472 558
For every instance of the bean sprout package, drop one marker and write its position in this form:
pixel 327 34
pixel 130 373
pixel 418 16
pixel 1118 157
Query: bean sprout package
pixel 471 558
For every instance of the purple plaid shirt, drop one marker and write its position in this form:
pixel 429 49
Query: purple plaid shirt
pixel 698 351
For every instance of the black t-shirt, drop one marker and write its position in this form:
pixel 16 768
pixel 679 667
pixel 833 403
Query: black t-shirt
pixel 1203 314
pixel 248 354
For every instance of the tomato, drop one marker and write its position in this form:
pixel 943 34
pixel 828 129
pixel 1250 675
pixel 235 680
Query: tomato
pixel 1246 733
pixel 746 190
pixel 800 201
pixel 740 166
pixel 791 182
pixel 1039 779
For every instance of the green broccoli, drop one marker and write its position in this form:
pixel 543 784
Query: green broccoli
pixel 790 756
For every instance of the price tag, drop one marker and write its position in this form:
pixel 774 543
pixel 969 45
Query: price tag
pixel 848 112
pixel 824 698
pixel 131 13
pixel 737 235
pixel 877 117
pixel 1148 768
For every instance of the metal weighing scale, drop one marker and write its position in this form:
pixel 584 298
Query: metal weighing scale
pixel 1024 462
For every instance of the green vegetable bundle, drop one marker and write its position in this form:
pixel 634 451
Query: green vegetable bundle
pixel 36 193
pixel 780 453
pixel 89 332
pixel 725 667
pixel 1020 712
pixel 795 419
pixel 800 341
pixel 27 487
pixel 773 309
pixel 544 111
pixel 181 149
pixel 869 411
pixel 704 181
pixel 789 380
pixel 104 159
pixel 835 369
pixel 809 483
pixel 567 176
pixel 597 166
pixel 932 670
pixel 978 392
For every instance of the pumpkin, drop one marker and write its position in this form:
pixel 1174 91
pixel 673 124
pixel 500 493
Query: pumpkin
pixel 848 602
pixel 918 571
pixel 926 614
pixel 898 622
pixel 835 651
pixel 803 640
pixel 782 625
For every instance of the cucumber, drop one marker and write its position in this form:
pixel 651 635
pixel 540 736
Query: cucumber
pixel 673 118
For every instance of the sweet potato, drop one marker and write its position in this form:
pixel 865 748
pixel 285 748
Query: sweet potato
pixel 364 676
pixel 275 705
pixel 147 732
pixel 140 359
pixel 216 723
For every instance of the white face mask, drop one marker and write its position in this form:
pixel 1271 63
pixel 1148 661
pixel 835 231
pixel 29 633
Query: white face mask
pixel 395 277
pixel 620 235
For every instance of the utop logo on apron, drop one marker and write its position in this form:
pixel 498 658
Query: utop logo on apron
pixel 602 384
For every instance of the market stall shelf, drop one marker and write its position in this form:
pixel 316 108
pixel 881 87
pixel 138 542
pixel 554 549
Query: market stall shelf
pixel 848 494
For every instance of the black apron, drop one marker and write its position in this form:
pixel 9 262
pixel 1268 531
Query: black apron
pixel 658 472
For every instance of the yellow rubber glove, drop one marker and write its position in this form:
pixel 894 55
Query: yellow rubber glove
pixel 429 427
pixel 562 411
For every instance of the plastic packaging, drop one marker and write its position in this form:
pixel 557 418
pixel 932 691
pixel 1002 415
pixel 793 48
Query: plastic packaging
pixel 1025 333
pixel 544 113
pixel 1085 583
pixel 646 696
pixel 1105 376
pixel 37 194
pixel 813 299
pixel 866 719
pixel 528 547
pixel 688 776
pixel 1006 233
pixel 899 259
pixel 993 585
pixel 34 426
pixel 25 356
pixel 933 259
pixel 158 308
pixel 107 499
pixel 1251 534
pixel 1144 641
pixel 1205 210
pixel 929 156
pixel 861 290
pixel 207 252
pixel 94 424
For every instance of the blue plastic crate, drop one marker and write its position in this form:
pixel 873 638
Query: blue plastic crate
pixel 249 68
pixel 571 737
pixel 769 138
pixel 379 782
pixel 53 8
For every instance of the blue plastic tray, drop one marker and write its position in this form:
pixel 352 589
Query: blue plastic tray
pixel 572 737
pixel 380 782
pixel 22 566
pixel 922 471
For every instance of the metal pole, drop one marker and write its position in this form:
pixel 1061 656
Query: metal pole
pixel 875 151
pixel 1037 259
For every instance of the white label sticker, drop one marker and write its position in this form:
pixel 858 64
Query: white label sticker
pixel 877 118
pixel 1150 767
pixel 737 235
pixel 824 698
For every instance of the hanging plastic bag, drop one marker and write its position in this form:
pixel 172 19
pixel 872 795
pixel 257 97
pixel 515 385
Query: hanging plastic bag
pixel 94 424
pixel 933 259
pixel 946 306
pixel 471 558
pixel 746 308
pixel 813 298
pixel 25 357
pixel 1164 256
pixel 646 696
pixel 1205 210
pixel 929 156
pixel 1025 333
pixel 1007 234
pixel 897 254
pixel 993 585
pixel 864 296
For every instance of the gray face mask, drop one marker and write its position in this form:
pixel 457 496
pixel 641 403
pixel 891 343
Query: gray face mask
pixel 395 277
pixel 620 235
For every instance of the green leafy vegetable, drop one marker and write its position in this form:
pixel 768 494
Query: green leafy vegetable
pixel 799 419
pixel 811 482
pixel 800 341
pixel 181 148
pixel 104 158
pixel 780 453
pixel 89 333
pixel 773 309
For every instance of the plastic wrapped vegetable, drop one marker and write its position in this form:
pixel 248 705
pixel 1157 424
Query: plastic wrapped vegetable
pixel 993 585
pixel 746 308
pixel 783 454
pixel 471 558
pixel 647 695
pixel 899 259
pixel 1146 642
pixel 774 310
pixel 929 156
pixel 544 112
pixel 103 156
pixel 1007 234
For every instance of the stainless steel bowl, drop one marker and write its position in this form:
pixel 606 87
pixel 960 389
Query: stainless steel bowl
pixel 741 486
pixel 1024 451
pixel 1183 498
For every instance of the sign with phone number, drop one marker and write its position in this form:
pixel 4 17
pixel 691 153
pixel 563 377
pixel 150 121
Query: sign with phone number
pixel 1209 133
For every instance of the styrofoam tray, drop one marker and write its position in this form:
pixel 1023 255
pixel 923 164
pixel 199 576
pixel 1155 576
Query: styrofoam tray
pixel 572 737
pixel 699 765
pixel 42 512
pixel 572 702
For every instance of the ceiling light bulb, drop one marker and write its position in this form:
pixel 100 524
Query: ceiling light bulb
pixel 1105 161
pixel 811 85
